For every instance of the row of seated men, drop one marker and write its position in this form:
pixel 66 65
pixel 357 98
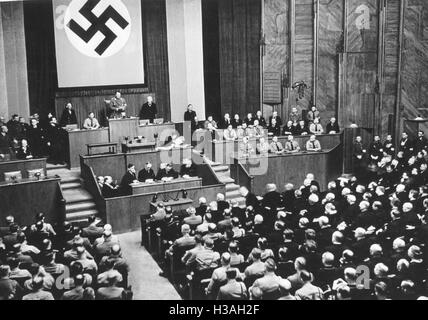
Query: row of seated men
pixel 382 159
pixel 248 147
pixel 253 125
pixel 165 173
pixel 40 138
pixel 42 262
pixel 355 240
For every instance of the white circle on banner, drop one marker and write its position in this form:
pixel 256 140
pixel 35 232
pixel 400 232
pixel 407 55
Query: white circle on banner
pixel 98 28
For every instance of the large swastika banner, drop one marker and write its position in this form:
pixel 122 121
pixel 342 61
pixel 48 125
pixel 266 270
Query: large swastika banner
pixel 98 42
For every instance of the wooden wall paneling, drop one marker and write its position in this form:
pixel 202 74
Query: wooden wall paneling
pixel 361 63
pixel 106 165
pixel 124 213
pixel 294 169
pixel 276 51
pixel 414 71
pixel 303 59
pixel 330 44
pixel 22 200
pixel 391 62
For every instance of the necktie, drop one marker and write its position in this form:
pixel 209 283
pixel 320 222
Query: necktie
pixel 277 146
pixel 292 146
pixel 313 145
pixel 92 123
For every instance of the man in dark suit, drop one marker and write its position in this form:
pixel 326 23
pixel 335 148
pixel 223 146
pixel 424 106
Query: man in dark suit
pixel 55 142
pixel 147 173
pixel 5 140
pixel 276 117
pixel 405 144
pixel 129 177
pixel 24 152
pixel 188 169
pixel 189 115
pixel 421 142
pixel 225 122
pixel 148 110
pixel 250 198
pixel 332 127
pixel 68 116
pixel 166 171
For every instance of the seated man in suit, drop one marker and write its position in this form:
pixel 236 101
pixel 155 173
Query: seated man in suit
pixel 274 127
pixel 275 117
pixel 230 134
pixel 188 169
pixel 245 148
pixel 313 144
pixel 236 122
pixel 210 120
pixel 109 190
pixel 91 123
pixel 258 129
pixel 294 116
pixel 249 120
pixel 166 172
pixel 292 146
pixel 333 126
pixel 117 106
pixel 303 128
pixel 260 119
pixel 316 127
pixel 225 122
pixel 129 178
pixel 149 110
pixel 24 152
pixel 276 146
pixel 263 147
pixel 147 173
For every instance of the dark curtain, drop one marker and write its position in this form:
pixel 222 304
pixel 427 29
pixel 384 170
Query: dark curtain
pixel 239 31
pixel 156 53
pixel 41 60
pixel 211 58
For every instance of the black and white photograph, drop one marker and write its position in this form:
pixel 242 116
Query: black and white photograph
pixel 190 153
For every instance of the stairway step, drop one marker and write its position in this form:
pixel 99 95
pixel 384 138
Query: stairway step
pixel 232 187
pixel 69 179
pixel 225 179
pixel 50 166
pixel 71 185
pixel 220 168
pixel 81 215
pixel 76 195
pixel 233 194
pixel 80 206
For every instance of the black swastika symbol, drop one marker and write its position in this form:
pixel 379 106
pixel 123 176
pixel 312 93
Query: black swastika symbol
pixel 98 24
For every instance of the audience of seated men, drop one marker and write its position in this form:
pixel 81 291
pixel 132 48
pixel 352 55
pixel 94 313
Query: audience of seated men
pixel 380 224
pixel 85 269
